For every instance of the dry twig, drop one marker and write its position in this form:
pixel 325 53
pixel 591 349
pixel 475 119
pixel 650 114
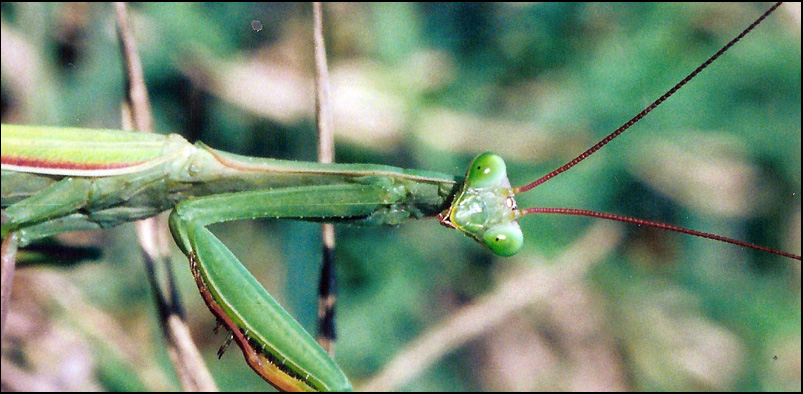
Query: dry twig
pixel 189 364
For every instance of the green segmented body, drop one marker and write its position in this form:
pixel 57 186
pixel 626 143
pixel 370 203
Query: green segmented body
pixel 168 170
pixel 56 180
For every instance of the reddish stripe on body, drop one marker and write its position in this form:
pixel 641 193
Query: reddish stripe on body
pixel 62 164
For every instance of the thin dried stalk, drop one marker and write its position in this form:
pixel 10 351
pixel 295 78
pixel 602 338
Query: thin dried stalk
pixel 326 154
pixel 190 367
pixel 9 261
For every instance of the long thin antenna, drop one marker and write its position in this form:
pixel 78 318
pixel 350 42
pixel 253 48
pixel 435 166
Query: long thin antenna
pixel 620 130
pixel 649 223
pixel 649 108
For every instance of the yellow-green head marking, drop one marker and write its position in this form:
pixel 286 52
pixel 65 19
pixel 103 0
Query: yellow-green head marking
pixel 485 209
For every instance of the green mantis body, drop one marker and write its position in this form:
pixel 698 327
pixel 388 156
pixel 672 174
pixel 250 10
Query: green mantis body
pixel 554 196
pixel 164 170
pixel 80 179
pixel 86 186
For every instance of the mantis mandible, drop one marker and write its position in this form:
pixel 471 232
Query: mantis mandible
pixel 191 238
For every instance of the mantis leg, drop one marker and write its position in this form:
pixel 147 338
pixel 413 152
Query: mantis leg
pixel 75 203
pixel 70 193
pixel 273 343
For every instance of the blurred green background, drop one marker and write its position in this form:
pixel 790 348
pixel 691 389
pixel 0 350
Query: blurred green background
pixel 585 306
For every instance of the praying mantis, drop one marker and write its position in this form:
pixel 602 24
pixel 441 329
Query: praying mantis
pixel 550 222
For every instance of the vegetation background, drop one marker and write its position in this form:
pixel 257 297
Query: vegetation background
pixel 429 86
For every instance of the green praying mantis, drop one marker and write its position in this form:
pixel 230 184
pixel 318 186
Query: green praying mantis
pixel 107 177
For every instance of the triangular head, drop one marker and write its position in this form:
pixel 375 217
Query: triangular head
pixel 485 209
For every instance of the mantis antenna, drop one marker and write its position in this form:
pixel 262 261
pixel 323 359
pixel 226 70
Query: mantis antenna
pixel 627 125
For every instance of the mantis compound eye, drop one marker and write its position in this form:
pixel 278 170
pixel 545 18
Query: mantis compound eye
pixel 486 170
pixel 504 239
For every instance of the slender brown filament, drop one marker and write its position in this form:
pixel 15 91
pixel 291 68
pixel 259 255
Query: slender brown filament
pixel 649 108
pixel 649 223
pixel 627 125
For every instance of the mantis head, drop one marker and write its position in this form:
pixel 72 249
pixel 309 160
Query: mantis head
pixel 485 209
